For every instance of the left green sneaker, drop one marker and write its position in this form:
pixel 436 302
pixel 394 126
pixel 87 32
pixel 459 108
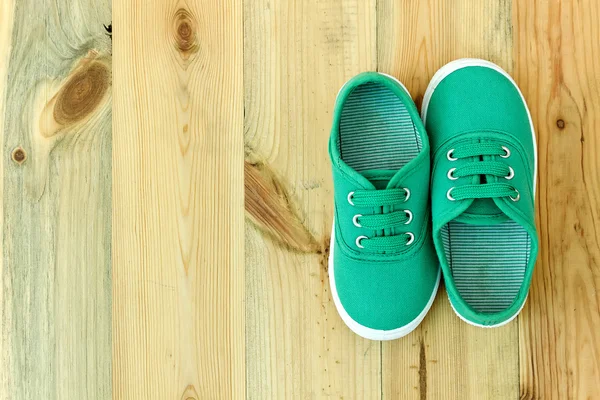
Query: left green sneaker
pixel 383 270
pixel 482 190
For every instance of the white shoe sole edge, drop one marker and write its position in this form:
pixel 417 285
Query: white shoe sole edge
pixel 366 332
pixel 435 81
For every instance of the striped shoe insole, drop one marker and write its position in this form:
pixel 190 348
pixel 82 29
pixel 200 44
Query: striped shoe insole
pixel 376 131
pixel 487 262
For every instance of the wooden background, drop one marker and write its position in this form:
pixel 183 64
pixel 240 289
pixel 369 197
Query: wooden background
pixel 129 268
pixel 55 119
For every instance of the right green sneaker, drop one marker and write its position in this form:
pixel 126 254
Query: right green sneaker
pixel 482 190
pixel 383 269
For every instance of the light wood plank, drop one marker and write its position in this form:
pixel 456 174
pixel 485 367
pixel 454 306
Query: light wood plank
pixel 557 56
pixel 56 177
pixel 445 358
pixel 296 57
pixel 6 25
pixel 178 217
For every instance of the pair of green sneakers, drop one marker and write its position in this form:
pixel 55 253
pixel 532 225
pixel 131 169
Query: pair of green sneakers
pixel 474 146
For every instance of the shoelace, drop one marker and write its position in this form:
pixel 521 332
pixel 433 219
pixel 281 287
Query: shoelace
pixel 487 167
pixel 382 198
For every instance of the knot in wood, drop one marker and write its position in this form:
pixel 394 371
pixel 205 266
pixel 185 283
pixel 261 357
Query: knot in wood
pixel 184 32
pixel 82 93
pixel 19 156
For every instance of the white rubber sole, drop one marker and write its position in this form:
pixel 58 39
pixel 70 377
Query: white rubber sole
pixel 366 332
pixel 435 81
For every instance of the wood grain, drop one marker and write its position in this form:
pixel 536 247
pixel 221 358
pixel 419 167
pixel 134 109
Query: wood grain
pixel 446 358
pixel 162 199
pixel 557 56
pixel 178 282
pixel 296 57
pixel 6 25
pixel 56 194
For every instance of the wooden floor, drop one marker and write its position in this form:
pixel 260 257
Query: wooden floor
pixel 129 268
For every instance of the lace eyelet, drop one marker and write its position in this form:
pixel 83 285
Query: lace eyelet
pixel 448 195
pixel 355 220
pixel 350 198
pixel 449 155
pixel 410 217
pixel 450 174
pixel 412 238
pixel 511 174
pixel 515 198
pixel 360 239
pixel 407 194
pixel 506 151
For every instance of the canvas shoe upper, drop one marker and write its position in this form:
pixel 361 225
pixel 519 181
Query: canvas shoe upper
pixel 482 189
pixel 383 269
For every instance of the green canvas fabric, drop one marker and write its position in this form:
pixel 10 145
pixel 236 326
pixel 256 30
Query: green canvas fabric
pixel 383 283
pixel 482 196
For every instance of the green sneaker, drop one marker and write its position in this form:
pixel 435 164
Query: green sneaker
pixel 383 269
pixel 482 189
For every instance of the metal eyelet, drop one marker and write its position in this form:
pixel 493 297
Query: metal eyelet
pixel 449 155
pixel 355 220
pixel 407 194
pixel 515 198
pixel 448 195
pixel 507 151
pixel 410 217
pixel 412 238
pixel 350 198
pixel 450 174
pixel 511 174
pixel 360 239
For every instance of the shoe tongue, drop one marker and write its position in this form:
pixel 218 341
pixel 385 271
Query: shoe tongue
pixel 380 178
pixel 482 212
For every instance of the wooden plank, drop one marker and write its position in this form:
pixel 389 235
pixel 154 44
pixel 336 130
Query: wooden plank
pixel 56 254
pixel 445 358
pixel 178 281
pixel 6 24
pixel 296 57
pixel 557 57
